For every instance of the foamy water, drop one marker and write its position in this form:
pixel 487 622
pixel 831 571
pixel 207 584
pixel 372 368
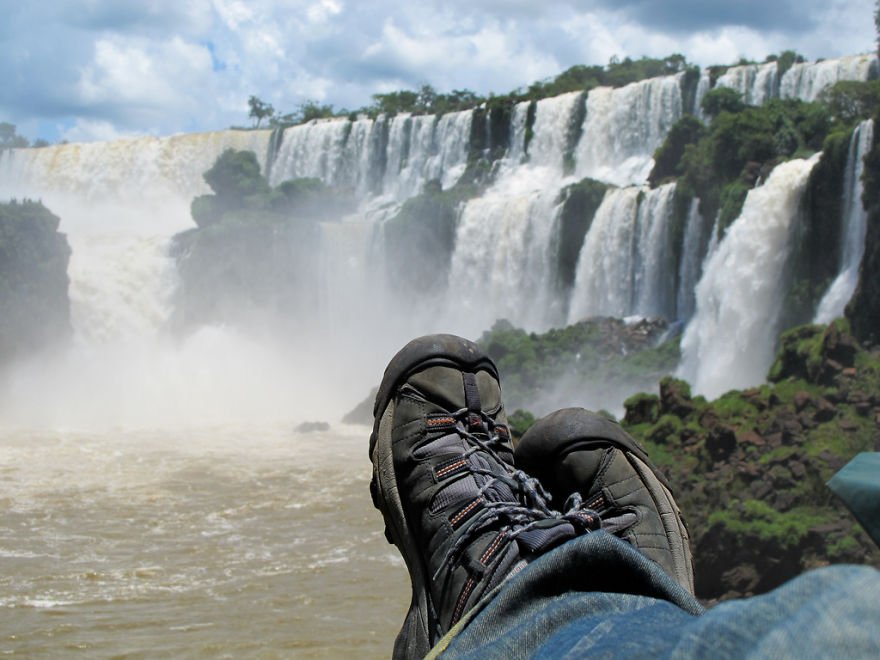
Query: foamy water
pixel 232 541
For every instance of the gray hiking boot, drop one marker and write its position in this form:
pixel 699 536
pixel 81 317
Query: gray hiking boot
pixel 462 516
pixel 574 451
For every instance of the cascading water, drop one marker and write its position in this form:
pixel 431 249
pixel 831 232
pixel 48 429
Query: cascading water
pixel 730 340
pixel 704 84
pixel 854 227
pixel 504 247
pixel 121 201
pixel 806 80
pixel 354 154
pixel 694 250
pixel 213 507
pixel 624 127
pixel 625 265
pixel 517 150
pixel 756 82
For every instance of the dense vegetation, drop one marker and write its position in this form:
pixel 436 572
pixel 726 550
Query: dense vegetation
pixel 34 306
pixel 427 100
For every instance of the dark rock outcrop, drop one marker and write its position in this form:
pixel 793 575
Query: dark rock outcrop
pixel 749 469
pixel 34 304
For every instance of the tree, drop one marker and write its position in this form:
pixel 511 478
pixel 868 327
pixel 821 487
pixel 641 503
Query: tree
pixel 427 97
pixel 236 176
pixel 314 110
pixel 852 100
pixel 259 110
pixel 722 99
pixel 9 139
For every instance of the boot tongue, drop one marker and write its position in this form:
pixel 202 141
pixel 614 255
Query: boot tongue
pixel 578 469
pixel 446 386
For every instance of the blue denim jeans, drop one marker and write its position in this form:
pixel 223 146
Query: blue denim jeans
pixel 596 596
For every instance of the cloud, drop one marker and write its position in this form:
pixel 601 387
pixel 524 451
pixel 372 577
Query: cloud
pixel 138 82
pixel 178 65
pixel 677 16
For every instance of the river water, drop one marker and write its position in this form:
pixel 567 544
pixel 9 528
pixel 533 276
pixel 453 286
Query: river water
pixel 226 541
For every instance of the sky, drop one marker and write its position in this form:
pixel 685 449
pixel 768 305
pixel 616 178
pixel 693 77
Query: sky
pixel 84 70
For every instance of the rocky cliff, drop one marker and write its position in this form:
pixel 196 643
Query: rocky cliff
pixel 34 305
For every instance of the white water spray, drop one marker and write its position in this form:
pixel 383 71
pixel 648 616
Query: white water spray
pixel 757 83
pixel 625 265
pixel 729 342
pixel 505 250
pixel 624 127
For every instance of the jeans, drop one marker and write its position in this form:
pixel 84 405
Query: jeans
pixel 596 596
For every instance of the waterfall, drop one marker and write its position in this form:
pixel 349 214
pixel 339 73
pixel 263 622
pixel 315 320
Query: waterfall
pixel 703 87
pixel 806 80
pixel 854 226
pixel 624 126
pixel 353 154
pixel 730 340
pixel 694 250
pixel 120 202
pixel 146 183
pixel 756 82
pixel 550 130
pixel 625 265
pixel 505 252
pixel 517 149
pixel 436 149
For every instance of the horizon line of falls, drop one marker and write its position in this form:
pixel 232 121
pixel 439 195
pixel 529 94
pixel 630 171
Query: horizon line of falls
pixel 122 201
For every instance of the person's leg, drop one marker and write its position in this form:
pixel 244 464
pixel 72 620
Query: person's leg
pixel 577 451
pixel 832 612
pixel 602 597
pixel 462 516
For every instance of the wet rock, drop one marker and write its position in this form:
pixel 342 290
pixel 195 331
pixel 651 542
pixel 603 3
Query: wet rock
pixel 802 399
pixel 750 438
pixel 848 425
pixel 761 489
pixel 362 413
pixel 312 427
pixel 825 411
pixel 838 346
pixel 675 397
pixel 642 409
pixel 863 408
pixel 721 442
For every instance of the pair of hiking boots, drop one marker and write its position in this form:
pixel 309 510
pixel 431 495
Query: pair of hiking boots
pixel 467 510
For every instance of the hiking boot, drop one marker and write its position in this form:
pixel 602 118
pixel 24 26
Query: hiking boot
pixel 575 451
pixel 462 516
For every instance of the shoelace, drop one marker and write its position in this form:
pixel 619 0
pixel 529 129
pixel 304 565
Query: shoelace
pixel 532 506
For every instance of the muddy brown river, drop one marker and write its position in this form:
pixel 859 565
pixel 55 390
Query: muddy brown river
pixel 209 542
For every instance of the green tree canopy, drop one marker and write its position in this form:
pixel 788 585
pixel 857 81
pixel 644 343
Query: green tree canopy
pixel 259 110
pixel 722 99
pixel 9 138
